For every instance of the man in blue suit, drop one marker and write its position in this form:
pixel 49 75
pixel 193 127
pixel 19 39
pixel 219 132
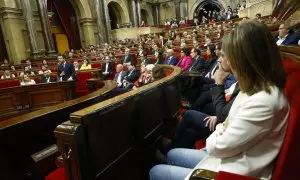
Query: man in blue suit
pixel 65 70
pixel 287 37
pixel 171 60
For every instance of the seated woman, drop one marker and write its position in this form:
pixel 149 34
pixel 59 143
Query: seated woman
pixel 45 63
pixel 5 63
pixel 25 80
pixel 250 139
pixel 27 72
pixel 86 64
pixel 151 73
pixel 7 74
pixel 44 70
pixel 185 59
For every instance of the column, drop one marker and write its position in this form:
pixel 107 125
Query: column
pixel 177 8
pixel 49 43
pixel 107 22
pixel 139 15
pixel 28 16
pixel 134 14
pixel 185 8
pixel 100 22
pixel 157 12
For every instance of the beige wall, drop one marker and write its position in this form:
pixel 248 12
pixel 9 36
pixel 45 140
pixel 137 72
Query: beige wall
pixel 257 6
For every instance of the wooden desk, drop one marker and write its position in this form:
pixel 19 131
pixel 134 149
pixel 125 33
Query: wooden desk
pixel 22 99
pixel 25 135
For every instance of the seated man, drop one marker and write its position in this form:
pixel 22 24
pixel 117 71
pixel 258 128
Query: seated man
pixel 197 125
pixel 171 60
pixel 107 68
pixel 46 78
pixel 120 75
pixel 287 37
pixel 127 58
pixel 198 64
pixel 131 77
pixel 144 60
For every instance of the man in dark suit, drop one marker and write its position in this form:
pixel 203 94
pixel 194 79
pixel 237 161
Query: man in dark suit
pixel 287 37
pixel 120 75
pixel 46 78
pixel 107 68
pixel 197 125
pixel 144 60
pixel 171 60
pixel 198 64
pixel 131 77
pixel 65 70
pixel 127 58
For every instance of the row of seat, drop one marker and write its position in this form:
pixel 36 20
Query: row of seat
pixel 100 140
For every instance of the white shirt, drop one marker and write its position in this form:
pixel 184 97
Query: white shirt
pixel 250 139
pixel 280 40
pixel 106 67
pixel 119 79
pixel 31 82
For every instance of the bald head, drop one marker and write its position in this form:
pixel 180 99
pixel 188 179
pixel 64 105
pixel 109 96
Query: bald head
pixel 119 68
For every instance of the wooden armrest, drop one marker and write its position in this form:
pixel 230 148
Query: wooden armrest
pixel 59 161
pixel 203 174
pixel 94 84
pixel 192 74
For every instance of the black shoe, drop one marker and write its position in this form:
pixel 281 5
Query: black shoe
pixel 165 144
pixel 160 157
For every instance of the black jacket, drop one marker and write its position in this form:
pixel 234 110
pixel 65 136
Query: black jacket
pixel 68 69
pixel 128 59
pixel 44 79
pixel 109 69
pixel 222 107
pixel 132 76
pixel 198 65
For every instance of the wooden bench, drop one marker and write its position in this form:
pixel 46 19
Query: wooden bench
pixel 106 140
pixel 25 135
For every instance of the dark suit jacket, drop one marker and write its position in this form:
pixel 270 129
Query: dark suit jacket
pixel 291 39
pixel 122 74
pixel 128 59
pixel 198 65
pixel 146 62
pixel 158 61
pixel 133 76
pixel 210 63
pixel 171 61
pixel 222 107
pixel 68 69
pixel 44 79
pixel 109 69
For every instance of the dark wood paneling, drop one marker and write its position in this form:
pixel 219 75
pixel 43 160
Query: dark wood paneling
pixel 25 135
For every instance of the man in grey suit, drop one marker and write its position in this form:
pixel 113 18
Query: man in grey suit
pixel 120 75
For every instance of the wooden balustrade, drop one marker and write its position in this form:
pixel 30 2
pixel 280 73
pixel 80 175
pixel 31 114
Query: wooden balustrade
pixel 27 134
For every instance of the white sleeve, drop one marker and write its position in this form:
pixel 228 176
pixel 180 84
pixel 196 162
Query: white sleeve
pixel 248 126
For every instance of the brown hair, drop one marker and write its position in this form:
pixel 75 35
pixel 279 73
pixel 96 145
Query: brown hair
pixel 254 57
pixel 157 72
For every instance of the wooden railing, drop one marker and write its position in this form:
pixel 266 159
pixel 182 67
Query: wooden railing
pixel 25 135
pixel 98 142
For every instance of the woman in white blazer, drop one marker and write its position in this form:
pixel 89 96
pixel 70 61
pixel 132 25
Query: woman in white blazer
pixel 250 139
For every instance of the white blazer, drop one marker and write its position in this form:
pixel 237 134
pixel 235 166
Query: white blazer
pixel 250 139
